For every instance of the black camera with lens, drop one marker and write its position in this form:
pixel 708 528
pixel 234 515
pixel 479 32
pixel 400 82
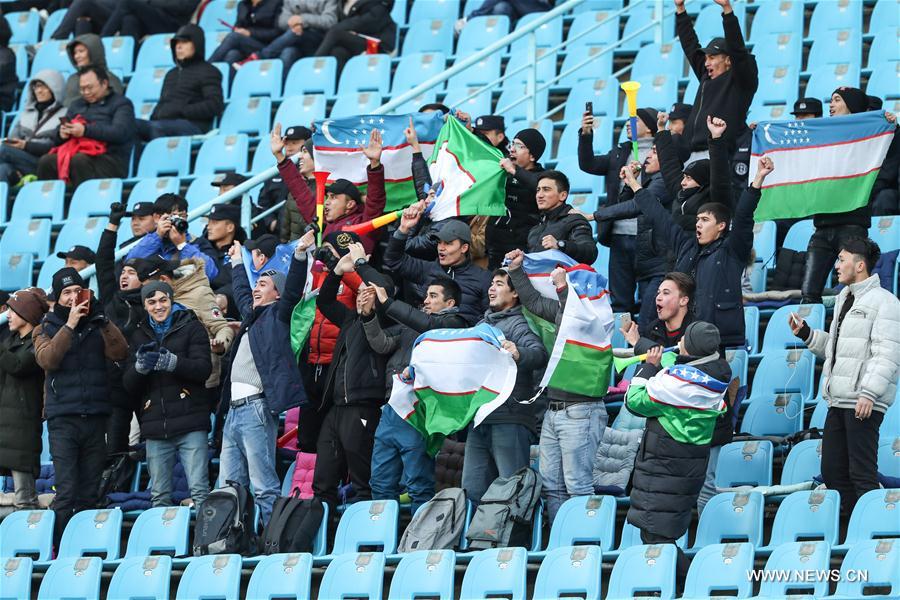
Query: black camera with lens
pixel 326 256
pixel 179 224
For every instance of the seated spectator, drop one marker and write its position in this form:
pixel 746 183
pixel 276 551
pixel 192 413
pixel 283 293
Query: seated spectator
pixel 359 18
pixel 142 221
pixel 191 95
pixel 501 444
pixel 9 80
pixel 33 134
pixel 84 16
pixel 492 129
pixel 561 227
pixel 304 23
pixel 84 51
pixel 255 27
pixel 22 396
pixel 262 250
pixel 168 365
pixel 297 139
pixel 138 18
pixel 95 139
pixel 78 257
pixel 514 9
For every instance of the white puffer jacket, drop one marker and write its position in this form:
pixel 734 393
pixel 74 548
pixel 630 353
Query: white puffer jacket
pixel 867 358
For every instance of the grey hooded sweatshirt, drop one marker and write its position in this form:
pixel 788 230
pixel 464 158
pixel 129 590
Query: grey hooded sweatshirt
pixel 98 57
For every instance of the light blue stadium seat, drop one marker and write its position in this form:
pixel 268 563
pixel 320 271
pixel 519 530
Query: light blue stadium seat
pixel 281 576
pixel 413 104
pixel 247 115
pixel 768 112
pixel 604 29
pixel 146 85
pixel 350 105
pixel 398 13
pixel 168 156
pixel 631 536
pixel 731 516
pixel 658 59
pixel 507 106
pixel 819 413
pixel 494 572
pixel 430 35
pixel 301 110
pixel 884 14
pixel 768 414
pixel 216 576
pixel 879 560
pixel 603 132
pixel 369 523
pixel 27 533
pixel 201 191
pixel 415 68
pixel 546 67
pixel 15 578
pixel 584 520
pixel 52 55
pixel 708 23
pixel 92 532
pixel 777 17
pixel 796 557
pixel 745 463
pixel 258 78
pixel 93 197
pixel 144 577
pixel 603 93
pixel 27 236
pixel 548 35
pixel 426 573
pixel 479 105
pixel 720 568
pixel 483 72
pixel 15 270
pixel 884 46
pixel 885 231
pixel 803 462
pixel 312 75
pixel 640 17
pixel 262 157
pixel 160 530
pixel 835 46
pixel 155 51
pixel 834 15
pixel 778 334
pixel 751 327
pixel 25 26
pixel 151 188
pixel 737 361
pixel 480 32
pixel 4 199
pixel 874 516
pixel 52 264
pixel 226 10
pixel 785 371
pixel 21 54
pixel 52 23
pixel 884 81
pixel 214 39
pixel 598 66
pixel 40 199
pixel 434 9
pixel 798 235
pixel 825 79
pixel 778 84
pixel 642 570
pixel 579 181
pixel 120 53
pixel 568 571
pixel 353 575
pixel 889 454
pixel 72 578
pixel 764 234
pixel 658 91
pixel 690 92
pixel 222 153
pixel 807 515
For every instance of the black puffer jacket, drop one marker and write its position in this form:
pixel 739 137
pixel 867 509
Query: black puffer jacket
pixel 110 120
pixel 568 227
pixel 123 307
pixel 372 18
pixel 192 89
pixel 9 81
pixel 261 20
pixel 173 403
pixel 21 401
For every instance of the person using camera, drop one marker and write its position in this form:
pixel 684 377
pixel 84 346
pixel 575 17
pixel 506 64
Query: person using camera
pixel 72 344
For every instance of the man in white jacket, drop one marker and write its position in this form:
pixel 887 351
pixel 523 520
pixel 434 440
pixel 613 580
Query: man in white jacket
pixel 862 359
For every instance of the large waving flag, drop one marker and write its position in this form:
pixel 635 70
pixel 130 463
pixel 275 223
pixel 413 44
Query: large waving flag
pixel 581 360
pixel 538 266
pixel 458 375
pixel 823 165
pixel 338 152
pixel 469 169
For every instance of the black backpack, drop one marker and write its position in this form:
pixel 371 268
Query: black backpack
pixel 117 476
pixel 504 516
pixel 225 522
pixel 293 526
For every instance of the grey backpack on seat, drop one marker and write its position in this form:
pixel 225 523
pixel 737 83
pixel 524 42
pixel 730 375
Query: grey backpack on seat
pixel 438 524
pixel 504 516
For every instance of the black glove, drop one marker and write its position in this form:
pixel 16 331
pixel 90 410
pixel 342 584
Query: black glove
pixel 116 213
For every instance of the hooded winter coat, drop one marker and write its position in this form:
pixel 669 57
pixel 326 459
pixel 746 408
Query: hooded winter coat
pixel 36 127
pixel 21 401
pixel 9 80
pixel 192 89
pixel 98 57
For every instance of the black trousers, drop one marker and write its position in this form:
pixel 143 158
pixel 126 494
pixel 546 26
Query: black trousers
pixel 342 45
pixel 850 454
pixel 824 246
pixel 345 447
pixel 138 18
pixel 78 446
pixel 83 16
pixel 82 168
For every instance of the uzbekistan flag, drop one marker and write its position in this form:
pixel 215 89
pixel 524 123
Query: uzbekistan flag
pixel 825 165
pixel 457 375
pixel 338 151
pixel 538 266
pixel 581 359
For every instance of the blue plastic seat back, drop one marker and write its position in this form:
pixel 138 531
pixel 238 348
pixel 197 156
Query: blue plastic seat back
pixel 603 132
pixel 52 264
pixel 155 51
pixel 842 45
pixel 521 64
pixel 482 72
pixel 764 234
pixel 826 78
pixel 25 236
pixel 658 59
pixel 785 371
pixel 778 334
pixel 889 454
pixel 52 23
pixel 350 105
pixel 151 188
pixel 798 235
pixel 598 5
pixel 72 578
pixel 874 516
pixel 434 9
pixel 366 73
pixel 169 156
pixel 415 68
pixel 778 414
pixel 511 109
pixel 768 112
pixel 248 115
pixel 15 271
pixel 708 23
pixel 819 414
pixel 884 47
pixel 495 572
pixel 751 327
pixel 777 17
pixel 40 199
pixel 745 463
pixel 807 516
pixel 201 191
pixel 797 557
pixel 584 520
pixel 459 98
pixel 737 361
pixel 222 153
pixel 93 197
pixel 835 14
pixel 226 10
pixel 161 530
pixel 480 32
pixel 92 532
pixel 885 231
pixel 597 65
pixel 778 84
pixel 603 93
pixel 426 573
pixel 803 462
pixel 548 35
pixel 52 55
pixel 216 576
pixel 15 578
pixel 720 568
pixel 643 569
pixel 631 536
pixel 353 575
pixel 884 15
pixel 570 570
pixel 658 91
pixel 638 18
pixel 368 524
pixel 298 110
pixel 258 78
pixel 4 201
pixel 85 231
pixel 27 533
pixel 605 33
pixel 143 577
pixel 312 75
pixel 281 576
pixel 883 80
pixel 731 517
pixel 880 561
pixel 430 35
pixel 120 53
pixel 25 26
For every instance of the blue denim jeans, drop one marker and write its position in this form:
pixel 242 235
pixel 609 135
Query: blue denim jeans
pixel 290 47
pixel 248 453
pixel 492 451
pixel 709 485
pixel 13 160
pixel 192 450
pixel 569 440
pixel 399 459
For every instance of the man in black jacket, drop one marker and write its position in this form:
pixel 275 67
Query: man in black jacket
pixel 561 227
pixel 137 18
pixel 191 95
pixel 167 370
pixel 256 25
pixel 222 230
pixel 102 115
pixel 728 77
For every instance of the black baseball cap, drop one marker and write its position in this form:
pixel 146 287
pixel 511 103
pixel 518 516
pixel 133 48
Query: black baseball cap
pixel 489 123
pixel 342 186
pixel 297 132
pixel 717 46
pixel 680 111
pixel 79 253
pixel 455 230
pixel 807 106
pixel 142 209
pixel 230 178
pixel 153 266
pixel 225 212
pixel 266 243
